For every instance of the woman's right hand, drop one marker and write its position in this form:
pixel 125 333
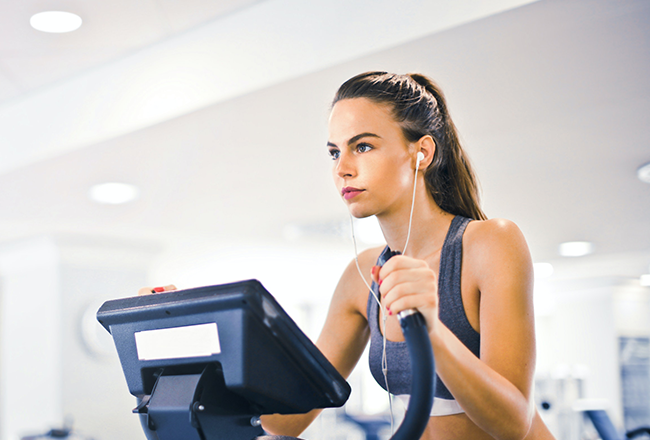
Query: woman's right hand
pixel 154 290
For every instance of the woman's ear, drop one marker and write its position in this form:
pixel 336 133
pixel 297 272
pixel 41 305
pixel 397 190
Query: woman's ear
pixel 427 146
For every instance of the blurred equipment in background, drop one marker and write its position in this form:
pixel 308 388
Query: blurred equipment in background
pixel 556 395
pixel 594 410
pixel 372 426
pixel 634 356
pixel 65 433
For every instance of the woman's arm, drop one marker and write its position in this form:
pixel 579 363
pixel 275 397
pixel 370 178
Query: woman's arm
pixel 495 390
pixel 342 340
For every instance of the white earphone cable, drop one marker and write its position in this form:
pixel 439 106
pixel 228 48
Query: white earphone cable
pixel 415 182
pixel 384 317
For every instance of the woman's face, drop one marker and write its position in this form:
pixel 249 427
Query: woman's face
pixel 373 166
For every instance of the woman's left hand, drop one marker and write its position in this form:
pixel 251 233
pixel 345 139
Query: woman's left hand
pixel 407 283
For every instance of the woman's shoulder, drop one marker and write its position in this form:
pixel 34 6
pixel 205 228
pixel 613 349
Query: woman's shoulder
pixel 366 260
pixel 369 257
pixel 494 231
pixel 498 228
pixel 351 288
pixel 494 240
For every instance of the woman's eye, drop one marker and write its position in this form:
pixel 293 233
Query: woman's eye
pixel 334 154
pixel 363 148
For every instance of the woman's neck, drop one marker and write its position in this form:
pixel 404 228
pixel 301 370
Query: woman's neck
pixel 428 229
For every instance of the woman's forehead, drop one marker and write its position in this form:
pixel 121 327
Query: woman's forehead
pixel 349 117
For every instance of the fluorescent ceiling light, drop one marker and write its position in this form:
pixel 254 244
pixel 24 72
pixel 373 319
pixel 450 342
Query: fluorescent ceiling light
pixel 114 193
pixel 576 248
pixel 643 173
pixel 542 270
pixel 55 22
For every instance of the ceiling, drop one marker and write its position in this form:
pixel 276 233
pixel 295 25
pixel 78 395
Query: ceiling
pixel 30 59
pixel 551 99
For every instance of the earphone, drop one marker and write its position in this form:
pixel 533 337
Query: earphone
pixel 419 158
pixel 384 365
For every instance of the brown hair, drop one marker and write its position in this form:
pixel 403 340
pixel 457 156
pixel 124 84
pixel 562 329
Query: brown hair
pixel 418 105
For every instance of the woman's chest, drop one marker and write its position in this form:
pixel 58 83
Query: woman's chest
pixel 457 294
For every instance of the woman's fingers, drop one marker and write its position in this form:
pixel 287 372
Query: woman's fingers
pixel 420 294
pixel 407 283
pixel 419 302
pixel 399 263
pixel 153 290
pixel 401 276
pixel 144 291
pixel 374 273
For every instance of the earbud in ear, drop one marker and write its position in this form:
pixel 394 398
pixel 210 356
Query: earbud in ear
pixel 420 156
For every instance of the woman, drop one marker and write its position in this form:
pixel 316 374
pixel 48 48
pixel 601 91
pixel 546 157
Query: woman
pixel 482 327
pixel 472 280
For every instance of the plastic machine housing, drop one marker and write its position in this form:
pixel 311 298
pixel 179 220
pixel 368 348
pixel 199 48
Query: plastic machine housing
pixel 263 364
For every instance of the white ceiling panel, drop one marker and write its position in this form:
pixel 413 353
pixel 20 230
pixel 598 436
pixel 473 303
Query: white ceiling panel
pixel 110 30
pixel 119 23
pixel 185 14
pixel 258 46
pixel 34 71
pixel 8 87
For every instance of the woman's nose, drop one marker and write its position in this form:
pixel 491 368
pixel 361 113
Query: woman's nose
pixel 344 166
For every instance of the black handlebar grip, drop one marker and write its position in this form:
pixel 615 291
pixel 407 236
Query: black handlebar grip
pixel 423 375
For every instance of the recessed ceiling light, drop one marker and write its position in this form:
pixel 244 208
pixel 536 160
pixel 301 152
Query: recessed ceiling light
pixel 114 193
pixel 55 22
pixel 576 248
pixel 643 173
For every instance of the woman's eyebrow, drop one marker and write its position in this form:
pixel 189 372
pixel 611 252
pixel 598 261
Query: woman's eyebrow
pixel 356 138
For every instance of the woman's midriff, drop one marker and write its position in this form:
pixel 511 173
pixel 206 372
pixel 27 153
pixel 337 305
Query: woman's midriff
pixel 454 427
pixel 459 426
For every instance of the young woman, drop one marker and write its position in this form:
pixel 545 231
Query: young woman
pixel 470 277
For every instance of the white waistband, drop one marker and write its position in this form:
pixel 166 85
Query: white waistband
pixel 441 407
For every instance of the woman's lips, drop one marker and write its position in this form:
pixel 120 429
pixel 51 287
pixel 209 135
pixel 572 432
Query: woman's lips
pixel 349 192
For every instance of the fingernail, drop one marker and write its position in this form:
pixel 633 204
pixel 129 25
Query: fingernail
pixel 390 313
pixel 158 289
pixel 374 269
pixel 380 281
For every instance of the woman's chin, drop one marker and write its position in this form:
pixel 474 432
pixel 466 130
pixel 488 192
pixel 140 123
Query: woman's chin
pixel 356 212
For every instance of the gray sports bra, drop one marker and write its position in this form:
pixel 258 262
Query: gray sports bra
pixel 451 313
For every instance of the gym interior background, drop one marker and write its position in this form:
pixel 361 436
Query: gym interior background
pixel 214 113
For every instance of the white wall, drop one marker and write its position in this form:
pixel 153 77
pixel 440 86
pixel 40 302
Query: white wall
pixel 301 277
pixel 30 338
pixel 50 368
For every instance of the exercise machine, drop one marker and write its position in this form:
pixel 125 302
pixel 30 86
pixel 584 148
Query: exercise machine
pixel 206 363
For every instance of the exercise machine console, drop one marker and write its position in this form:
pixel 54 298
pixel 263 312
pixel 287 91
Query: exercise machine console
pixel 206 363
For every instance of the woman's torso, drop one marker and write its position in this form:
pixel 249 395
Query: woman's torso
pixel 457 425
pixel 451 312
